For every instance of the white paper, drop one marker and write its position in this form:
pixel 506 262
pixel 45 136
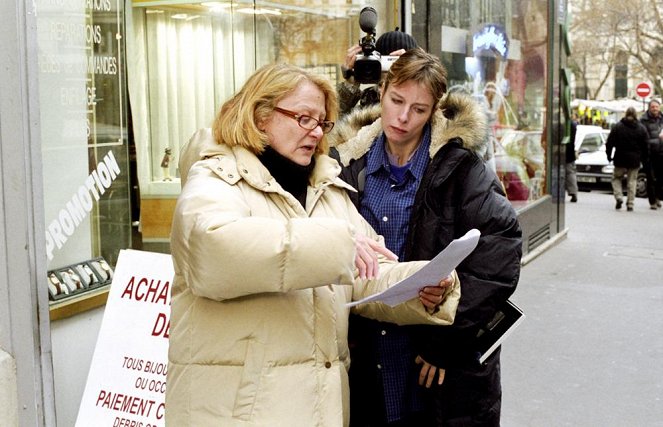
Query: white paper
pixel 437 269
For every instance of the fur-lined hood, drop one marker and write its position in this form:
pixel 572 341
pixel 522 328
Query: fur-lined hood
pixel 459 116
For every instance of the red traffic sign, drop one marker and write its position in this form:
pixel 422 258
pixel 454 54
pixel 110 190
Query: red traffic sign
pixel 643 90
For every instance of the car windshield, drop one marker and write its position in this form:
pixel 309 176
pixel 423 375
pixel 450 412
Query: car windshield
pixel 592 142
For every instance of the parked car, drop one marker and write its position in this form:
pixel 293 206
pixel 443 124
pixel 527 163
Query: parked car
pixel 595 172
pixel 589 138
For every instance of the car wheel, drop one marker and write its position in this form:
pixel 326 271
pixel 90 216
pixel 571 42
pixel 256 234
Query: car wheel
pixel 641 186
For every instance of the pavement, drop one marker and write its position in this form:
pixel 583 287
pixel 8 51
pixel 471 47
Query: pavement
pixel 590 351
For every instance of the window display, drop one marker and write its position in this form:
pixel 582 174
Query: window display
pixel 496 51
pixel 73 280
pixel 177 87
pixel 84 138
pixel 188 58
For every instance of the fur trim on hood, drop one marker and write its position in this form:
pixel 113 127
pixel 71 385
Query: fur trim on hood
pixel 459 116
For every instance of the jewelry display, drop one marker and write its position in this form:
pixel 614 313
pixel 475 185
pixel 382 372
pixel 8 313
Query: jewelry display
pixel 54 285
pixel 77 278
pixel 106 268
pixel 86 280
pixel 90 274
pixel 68 281
pixel 96 266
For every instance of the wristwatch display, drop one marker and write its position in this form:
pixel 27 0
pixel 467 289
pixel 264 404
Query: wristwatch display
pixel 101 272
pixel 76 278
pixel 55 287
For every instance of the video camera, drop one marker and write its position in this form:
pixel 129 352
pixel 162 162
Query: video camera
pixel 369 64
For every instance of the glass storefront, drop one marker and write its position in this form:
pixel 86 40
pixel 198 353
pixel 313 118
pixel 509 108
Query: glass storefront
pixel 497 52
pixel 84 141
pixel 119 129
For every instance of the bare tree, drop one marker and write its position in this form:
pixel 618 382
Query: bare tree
pixel 601 29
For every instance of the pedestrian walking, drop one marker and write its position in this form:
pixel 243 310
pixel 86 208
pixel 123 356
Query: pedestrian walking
pixel 571 178
pixel 628 140
pixel 653 121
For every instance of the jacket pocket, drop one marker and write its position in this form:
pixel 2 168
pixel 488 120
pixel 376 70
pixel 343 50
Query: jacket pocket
pixel 249 385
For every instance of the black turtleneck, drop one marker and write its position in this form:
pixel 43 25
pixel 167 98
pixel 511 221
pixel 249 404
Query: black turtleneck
pixel 291 176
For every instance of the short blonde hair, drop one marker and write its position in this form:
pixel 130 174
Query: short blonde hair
pixel 237 120
pixel 422 67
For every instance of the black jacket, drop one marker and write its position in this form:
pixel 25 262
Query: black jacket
pixel 629 140
pixel 654 125
pixel 457 193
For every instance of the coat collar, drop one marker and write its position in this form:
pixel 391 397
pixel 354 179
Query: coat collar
pixel 459 116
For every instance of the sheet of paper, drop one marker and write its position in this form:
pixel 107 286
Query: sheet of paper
pixel 437 269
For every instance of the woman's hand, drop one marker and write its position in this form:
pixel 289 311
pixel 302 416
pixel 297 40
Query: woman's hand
pixel 366 259
pixel 427 373
pixel 432 296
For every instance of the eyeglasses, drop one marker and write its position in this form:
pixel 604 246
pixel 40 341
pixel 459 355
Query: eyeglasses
pixel 307 122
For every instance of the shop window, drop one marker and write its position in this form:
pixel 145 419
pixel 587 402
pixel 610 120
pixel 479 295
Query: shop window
pixel 186 59
pixel 83 117
pixel 496 52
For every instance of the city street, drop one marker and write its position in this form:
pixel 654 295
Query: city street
pixel 590 352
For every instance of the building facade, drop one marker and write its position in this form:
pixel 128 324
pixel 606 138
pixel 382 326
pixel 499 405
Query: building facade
pixel 98 97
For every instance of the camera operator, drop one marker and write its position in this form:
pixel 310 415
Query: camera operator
pixel 350 92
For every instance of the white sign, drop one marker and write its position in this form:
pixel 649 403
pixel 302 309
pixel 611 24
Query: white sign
pixel 126 384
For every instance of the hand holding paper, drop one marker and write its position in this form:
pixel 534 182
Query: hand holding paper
pixel 437 269
pixel 433 295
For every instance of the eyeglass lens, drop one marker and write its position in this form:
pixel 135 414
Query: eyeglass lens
pixel 308 122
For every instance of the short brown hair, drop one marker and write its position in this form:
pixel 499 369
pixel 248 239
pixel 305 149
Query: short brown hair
pixel 237 120
pixel 422 67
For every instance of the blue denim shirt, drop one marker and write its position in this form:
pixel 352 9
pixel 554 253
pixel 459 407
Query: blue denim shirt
pixel 387 204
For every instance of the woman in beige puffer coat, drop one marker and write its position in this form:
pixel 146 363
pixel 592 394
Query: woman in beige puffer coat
pixel 262 274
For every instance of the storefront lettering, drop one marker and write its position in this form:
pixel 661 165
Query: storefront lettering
pixel 102 65
pixel 80 204
pixel 147 290
pixel 104 5
pixel 125 403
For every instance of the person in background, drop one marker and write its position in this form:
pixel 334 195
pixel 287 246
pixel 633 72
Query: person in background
pixel 628 140
pixel 653 121
pixel 415 161
pixel 571 178
pixel 350 92
pixel 268 250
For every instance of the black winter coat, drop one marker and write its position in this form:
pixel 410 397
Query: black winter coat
pixel 457 193
pixel 654 125
pixel 629 141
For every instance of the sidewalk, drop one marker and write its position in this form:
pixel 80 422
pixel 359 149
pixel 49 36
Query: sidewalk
pixel 590 352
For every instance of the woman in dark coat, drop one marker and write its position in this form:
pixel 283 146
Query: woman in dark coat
pixel 422 183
